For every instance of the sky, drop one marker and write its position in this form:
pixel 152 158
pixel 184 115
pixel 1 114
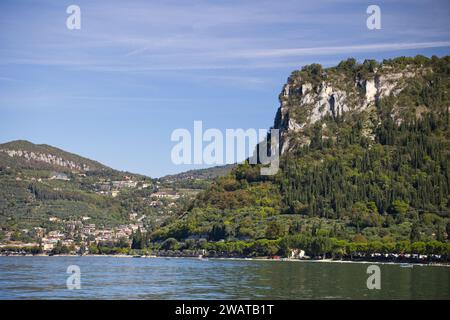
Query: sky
pixel 115 89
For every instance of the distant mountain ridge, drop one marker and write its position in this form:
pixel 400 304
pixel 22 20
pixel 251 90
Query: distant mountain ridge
pixel 39 181
pixel 205 174
pixel 24 154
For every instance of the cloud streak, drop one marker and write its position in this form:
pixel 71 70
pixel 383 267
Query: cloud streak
pixel 138 67
pixel 326 50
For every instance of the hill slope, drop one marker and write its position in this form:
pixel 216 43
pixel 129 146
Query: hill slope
pixel 38 182
pixel 197 178
pixel 24 154
pixel 365 151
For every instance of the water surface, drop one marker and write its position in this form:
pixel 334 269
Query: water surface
pixel 171 278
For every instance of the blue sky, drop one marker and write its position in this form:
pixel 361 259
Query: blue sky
pixel 137 70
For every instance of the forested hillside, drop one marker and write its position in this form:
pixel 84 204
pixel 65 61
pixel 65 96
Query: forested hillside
pixel 365 161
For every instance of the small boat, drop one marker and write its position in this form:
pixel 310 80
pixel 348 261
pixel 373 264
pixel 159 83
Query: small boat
pixel 137 256
pixel 406 265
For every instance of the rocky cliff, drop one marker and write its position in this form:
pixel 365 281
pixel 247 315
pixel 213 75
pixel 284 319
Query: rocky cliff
pixel 46 158
pixel 314 95
pixel 24 154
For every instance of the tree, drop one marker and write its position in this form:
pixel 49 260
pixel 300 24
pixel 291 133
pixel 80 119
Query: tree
pixel 93 249
pixel 295 228
pixel 264 247
pixel 402 247
pixel 82 249
pixel 60 249
pixel 440 233
pixel 418 247
pixel 415 233
pixel 170 244
pixel 138 240
pixel 358 213
pixel 399 208
pixel 284 246
pixel 189 244
pixel 375 246
pixel 348 64
pixel 36 250
pixel 434 247
pixel 447 229
pixel 338 248
pixel 218 232
pixel 123 243
pixel 320 246
pixel 275 230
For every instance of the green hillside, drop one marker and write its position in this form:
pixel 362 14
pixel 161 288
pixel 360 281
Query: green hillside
pixel 197 178
pixel 372 171
pixel 43 182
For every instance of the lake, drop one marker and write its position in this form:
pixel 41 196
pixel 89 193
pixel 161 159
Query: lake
pixel 171 278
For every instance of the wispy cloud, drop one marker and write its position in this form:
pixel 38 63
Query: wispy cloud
pixel 377 47
pixel 139 66
pixel 149 37
pixel 7 79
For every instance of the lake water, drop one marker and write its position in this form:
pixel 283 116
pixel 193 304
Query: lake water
pixel 171 278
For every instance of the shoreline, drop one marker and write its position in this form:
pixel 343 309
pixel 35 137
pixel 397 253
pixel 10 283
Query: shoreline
pixel 239 259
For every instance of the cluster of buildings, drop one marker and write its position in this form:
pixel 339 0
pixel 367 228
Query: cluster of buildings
pixel 75 233
pixel 113 188
pixel 166 195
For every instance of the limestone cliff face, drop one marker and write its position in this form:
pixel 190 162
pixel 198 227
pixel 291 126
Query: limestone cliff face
pixel 332 94
pixel 24 154
pixel 46 158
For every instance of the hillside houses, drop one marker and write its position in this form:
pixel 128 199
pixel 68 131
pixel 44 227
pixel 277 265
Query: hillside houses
pixel 59 176
pixel 77 233
pixel 165 195
pixel 124 184
pixel 113 188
